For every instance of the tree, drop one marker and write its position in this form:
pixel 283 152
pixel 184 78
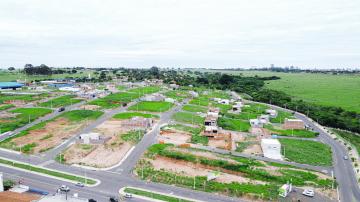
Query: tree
pixel 11 68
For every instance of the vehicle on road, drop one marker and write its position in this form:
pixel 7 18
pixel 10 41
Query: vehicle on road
pixel 91 200
pixel 64 188
pixel 309 192
pixel 346 157
pixel 80 184
pixel 128 195
pixel 113 199
pixel 61 109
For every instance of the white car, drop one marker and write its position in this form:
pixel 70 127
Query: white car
pixel 309 192
pixel 128 195
pixel 64 188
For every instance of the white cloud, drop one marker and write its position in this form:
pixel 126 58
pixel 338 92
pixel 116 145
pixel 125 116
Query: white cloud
pixel 198 33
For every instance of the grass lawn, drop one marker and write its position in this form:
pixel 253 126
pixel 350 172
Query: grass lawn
pixel 133 136
pixel 202 101
pixel 145 90
pixel 294 133
pixel 79 115
pixel 194 108
pixel 188 117
pixel 234 124
pixel 114 100
pixel 282 115
pixel 121 88
pixel 6 106
pixel 152 106
pixel 60 101
pixel 353 138
pixel 177 94
pixel 184 128
pixel 154 195
pixel 58 174
pixel 306 152
pixel 129 115
pixel 23 117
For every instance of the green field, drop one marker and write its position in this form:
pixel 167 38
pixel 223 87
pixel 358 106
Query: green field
pixel 152 106
pixel 177 94
pixel 306 152
pixel 129 115
pixel 353 138
pixel 145 90
pixel 26 98
pixel 23 117
pixel 60 101
pixel 6 106
pixel 114 100
pixel 234 124
pixel 194 108
pixel 13 76
pixel 188 117
pixel 294 132
pixel 133 136
pixel 72 116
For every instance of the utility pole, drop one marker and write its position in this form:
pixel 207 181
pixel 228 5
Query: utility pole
pixel 194 182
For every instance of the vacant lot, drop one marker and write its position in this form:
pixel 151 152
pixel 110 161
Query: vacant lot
pixel 234 124
pixel 20 117
pixel 282 115
pixel 145 90
pixel 46 135
pixel 236 176
pixel 306 152
pixel 129 115
pixel 177 94
pixel 188 117
pixel 194 108
pixel 25 98
pixel 114 100
pixel 6 106
pixel 152 106
pixel 294 132
pixel 60 101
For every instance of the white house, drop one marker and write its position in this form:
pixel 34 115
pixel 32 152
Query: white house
pixel 194 94
pixel 255 123
pixel 272 112
pixel 264 119
pixel 70 89
pixel 271 148
pixel 87 137
pixel 171 100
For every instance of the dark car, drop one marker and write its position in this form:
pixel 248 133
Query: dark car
pixel 92 200
pixel 113 199
pixel 61 109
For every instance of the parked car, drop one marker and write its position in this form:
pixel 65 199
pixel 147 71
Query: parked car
pixel 64 188
pixel 113 199
pixel 128 195
pixel 309 192
pixel 61 109
pixel 92 200
pixel 80 184
pixel 346 157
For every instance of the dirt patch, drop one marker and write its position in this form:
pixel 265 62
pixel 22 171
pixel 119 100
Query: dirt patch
pixel 254 149
pixel 190 169
pixel 101 156
pixel 175 137
pixel 111 128
pixel 90 107
pixel 53 134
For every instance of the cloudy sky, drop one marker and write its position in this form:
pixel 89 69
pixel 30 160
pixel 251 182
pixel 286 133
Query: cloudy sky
pixel 180 33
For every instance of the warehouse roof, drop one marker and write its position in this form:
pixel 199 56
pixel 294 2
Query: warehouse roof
pixel 10 85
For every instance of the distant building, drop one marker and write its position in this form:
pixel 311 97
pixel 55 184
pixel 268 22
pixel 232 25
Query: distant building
pixel 272 112
pixel 10 85
pixel 293 124
pixel 171 100
pixel 210 120
pixel 271 148
pixel 255 123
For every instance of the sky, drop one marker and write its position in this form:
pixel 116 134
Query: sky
pixel 180 33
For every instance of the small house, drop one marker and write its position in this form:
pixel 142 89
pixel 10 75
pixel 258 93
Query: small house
pixel 255 123
pixel 293 124
pixel 271 148
pixel 272 113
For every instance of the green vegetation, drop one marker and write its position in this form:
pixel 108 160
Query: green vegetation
pixel 73 116
pixel 133 136
pixel 353 138
pixel 241 146
pixel 115 100
pixel 79 115
pixel 185 128
pixel 201 100
pixel 194 108
pixel 60 101
pixel 294 132
pixel 26 98
pixel 251 169
pixel 306 152
pixel 178 95
pixel 17 75
pixel 188 117
pixel 280 118
pixel 145 90
pixel 6 106
pixel 23 117
pixel 129 115
pixel 234 124
pixel 53 173
pixel 154 195
pixel 121 88
pixel 199 139
pixel 152 106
